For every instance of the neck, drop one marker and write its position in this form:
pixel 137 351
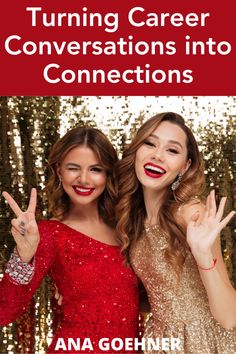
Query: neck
pixel 153 201
pixel 84 213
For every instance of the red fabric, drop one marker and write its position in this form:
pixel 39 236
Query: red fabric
pixel 100 294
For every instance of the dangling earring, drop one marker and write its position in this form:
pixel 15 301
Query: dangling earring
pixel 59 185
pixel 176 184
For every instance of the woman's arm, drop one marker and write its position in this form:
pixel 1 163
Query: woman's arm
pixel 15 297
pixel 204 224
pixel 220 292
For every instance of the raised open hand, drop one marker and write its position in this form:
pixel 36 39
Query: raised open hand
pixel 24 227
pixel 202 230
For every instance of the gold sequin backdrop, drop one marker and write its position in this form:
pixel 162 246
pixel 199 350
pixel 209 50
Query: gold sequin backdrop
pixel 30 125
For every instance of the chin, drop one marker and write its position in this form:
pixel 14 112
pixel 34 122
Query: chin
pixel 85 201
pixel 157 187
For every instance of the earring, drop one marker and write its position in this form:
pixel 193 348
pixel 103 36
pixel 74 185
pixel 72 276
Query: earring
pixel 59 185
pixel 176 184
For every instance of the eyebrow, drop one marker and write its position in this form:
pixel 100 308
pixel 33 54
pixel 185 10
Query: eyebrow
pixel 169 141
pixel 76 165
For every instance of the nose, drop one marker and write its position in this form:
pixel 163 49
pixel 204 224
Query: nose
pixel 83 177
pixel 158 154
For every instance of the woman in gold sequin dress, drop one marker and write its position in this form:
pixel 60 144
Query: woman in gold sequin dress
pixel 172 239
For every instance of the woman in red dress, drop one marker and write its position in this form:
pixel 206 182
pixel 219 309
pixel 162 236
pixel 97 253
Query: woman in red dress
pixel 79 249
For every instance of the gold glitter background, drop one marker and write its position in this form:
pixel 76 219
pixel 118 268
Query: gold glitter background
pixel 30 125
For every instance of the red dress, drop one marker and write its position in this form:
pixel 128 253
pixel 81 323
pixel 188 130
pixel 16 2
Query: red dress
pixel 100 293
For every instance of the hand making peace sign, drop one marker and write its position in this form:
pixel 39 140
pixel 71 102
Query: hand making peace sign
pixel 24 227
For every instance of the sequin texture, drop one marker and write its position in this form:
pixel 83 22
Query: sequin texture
pixel 19 272
pixel 179 310
pixel 100 293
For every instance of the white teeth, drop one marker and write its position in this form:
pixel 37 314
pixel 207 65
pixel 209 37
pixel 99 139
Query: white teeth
pixel 156 169
pixel 82 190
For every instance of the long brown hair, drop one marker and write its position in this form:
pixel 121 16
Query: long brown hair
pixel 59 202
pixel 130 210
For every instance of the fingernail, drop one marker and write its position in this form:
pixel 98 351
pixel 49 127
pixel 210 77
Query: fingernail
pixel 22 223
pixel 22 231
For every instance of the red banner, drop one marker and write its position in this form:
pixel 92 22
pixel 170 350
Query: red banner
pixel 69 47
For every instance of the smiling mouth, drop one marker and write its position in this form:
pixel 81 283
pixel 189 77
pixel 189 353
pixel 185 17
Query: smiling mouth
pixel 153 171
pixel 84 191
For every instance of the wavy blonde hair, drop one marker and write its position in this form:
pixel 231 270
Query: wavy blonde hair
pixel 59 202
pixel 130 210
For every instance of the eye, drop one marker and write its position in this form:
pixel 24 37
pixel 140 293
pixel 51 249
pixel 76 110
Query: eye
pixel 173 151
pixel 96 169
pixel 149 143
pixel 72 168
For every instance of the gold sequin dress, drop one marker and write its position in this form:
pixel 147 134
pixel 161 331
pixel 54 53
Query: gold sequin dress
pixel 179 310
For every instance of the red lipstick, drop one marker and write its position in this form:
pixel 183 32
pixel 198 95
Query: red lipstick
pixel 154 171
pixel 83 191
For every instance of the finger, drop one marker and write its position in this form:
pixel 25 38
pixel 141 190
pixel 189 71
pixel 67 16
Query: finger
pixel 195 216
pixel 225 221
pixel 17 236
pixel 220 211
pixel 206 210
pixel 19 226
pixel 13 205
pixel 16 224
pixel 212 203
pixel 32 228
pixel 198 218
pixel 60 300
pixel 16 231
pixel 56 292
pixel 33 201
pixel 191 223
pixel 22 228
pixel 207 205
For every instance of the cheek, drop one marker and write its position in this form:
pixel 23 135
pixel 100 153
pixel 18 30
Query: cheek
pixel 100 180
pixel 137 167
pixel 138 170
pixel 67 175
pixel 176 163
pixel 138 159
